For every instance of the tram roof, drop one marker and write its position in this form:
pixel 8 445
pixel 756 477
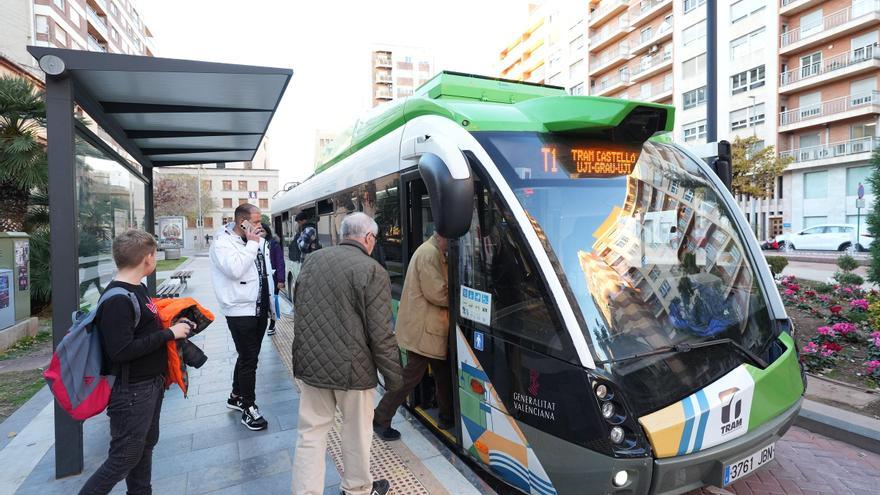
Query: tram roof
pixel 481 103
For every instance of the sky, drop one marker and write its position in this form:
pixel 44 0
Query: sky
pixel 327 43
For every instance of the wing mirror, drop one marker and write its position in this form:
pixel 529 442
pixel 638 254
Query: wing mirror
pixel 451 192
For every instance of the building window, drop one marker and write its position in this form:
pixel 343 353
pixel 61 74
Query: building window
pixel 694 131
pixel 227 185
pixel 748 116
pixel 209 222
pixel 694 33
pixel 264 204
pixel 816 185
pixel 207 185
pixel 578 89
pixel 856 176
pixel 813 221
pixel 747 45
pixel 60 35
pixel 575 69
pixel 756 114
pixel 665 288
pixel 646 34
pixel 264 185
pixel 576 45
pixel 779 187
pixel 42 24
pixel 690 5
pixel 242 185
pixel 694 67
pixel 746 80
pixel 115 11
pixel 59 4
pixel 242 201
pixel 227 202
pixel 190 223
pixel 743 8
pixel 694 98
pixel 667 82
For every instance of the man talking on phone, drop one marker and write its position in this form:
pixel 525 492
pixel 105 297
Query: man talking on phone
pixel 241 274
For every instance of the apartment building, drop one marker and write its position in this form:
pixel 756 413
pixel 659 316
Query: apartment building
pixel 552 49
pixel 830 62
pixel 396 71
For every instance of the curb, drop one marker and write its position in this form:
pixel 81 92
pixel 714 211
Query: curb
pixel 854 429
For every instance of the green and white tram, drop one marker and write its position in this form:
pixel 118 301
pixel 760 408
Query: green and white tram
pixel 613 326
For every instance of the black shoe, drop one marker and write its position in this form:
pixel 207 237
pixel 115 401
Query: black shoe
pixel 380 487
pixel 235 403
pixel 270 331
pixel 388 434
pixel 445 424
pixel 252 419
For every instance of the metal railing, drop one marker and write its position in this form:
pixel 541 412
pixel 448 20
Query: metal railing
pixel 643 8
pixel 830 107
pixel 832 150
pixel 95 45
pixel 606 7
pixel 622 50
pixel 661 31
pixel 830 21
pixel 383 79
pixel 608 32
pixel 609 83
pixel 832 64
pixel 786 3
pixel 656 89
pixel 383 61
pixel 654 61
pixel 97 19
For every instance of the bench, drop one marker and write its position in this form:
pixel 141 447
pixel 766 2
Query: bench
pixel 182 275
pixel 170 288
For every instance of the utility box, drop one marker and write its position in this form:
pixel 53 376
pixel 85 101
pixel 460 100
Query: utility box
pixel 7 299
pixel 15 255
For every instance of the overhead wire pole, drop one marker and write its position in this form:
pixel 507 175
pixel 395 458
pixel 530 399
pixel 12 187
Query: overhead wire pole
pixel 711 71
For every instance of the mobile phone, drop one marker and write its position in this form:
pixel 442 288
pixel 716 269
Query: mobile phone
pixel 246 225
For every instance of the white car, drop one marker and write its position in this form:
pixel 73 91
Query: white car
pixel 831 237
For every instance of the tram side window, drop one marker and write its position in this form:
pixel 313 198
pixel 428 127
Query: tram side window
pixel 493 260
pixel 344 204
pixel 380 200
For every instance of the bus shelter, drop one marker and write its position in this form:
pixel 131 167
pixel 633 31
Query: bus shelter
pixel 111 120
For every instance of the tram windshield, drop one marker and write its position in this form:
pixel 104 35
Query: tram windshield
pixel 648 250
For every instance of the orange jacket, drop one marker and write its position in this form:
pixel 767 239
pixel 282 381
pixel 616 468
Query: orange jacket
pixel 171 310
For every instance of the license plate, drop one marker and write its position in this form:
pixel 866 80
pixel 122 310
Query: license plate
pixel 744 466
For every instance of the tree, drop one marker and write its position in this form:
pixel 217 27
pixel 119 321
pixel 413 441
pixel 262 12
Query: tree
pixel 177 195
pixel 873 220
pixel 23 163
pixel 755 169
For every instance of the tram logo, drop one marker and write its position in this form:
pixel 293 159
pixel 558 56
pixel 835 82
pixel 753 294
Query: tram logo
pixel 731 411
pixel 534 386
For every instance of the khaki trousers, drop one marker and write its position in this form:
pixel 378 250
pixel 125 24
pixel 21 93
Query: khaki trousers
pixel 317 408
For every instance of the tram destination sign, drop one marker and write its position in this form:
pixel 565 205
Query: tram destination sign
pixel 587 160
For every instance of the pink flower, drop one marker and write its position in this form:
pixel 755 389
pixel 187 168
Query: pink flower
pixel 810 348
pixel 844 328
pixel 836 309
pixel 872 366
pixel 847 290
pixel 789 292
pixel 824 298
pixel 832 346
pixel 810 293
pixel 875 335
pixel 827 353
pixel 826 331
pixel 859 304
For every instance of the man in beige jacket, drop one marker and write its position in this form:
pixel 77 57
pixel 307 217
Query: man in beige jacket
pixel 423 330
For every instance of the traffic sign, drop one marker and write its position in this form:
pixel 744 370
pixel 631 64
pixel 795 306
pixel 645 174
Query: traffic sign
pixel 860 203
pixel 861 192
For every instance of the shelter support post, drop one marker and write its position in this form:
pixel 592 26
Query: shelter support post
pixel 149 221
pixel 64 252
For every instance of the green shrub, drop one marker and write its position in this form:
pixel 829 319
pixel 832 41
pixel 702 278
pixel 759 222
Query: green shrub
pixel 777 264
pixel 847 263
pixel 824 288
pixel 848 278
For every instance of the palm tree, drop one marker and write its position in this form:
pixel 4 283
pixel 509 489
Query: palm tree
pixel 23 164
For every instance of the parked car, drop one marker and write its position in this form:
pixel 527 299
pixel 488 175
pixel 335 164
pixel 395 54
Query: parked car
pixel 830 237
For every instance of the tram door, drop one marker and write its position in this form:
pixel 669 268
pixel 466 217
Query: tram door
pixel 418 227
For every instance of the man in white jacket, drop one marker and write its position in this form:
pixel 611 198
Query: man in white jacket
pixel 242 276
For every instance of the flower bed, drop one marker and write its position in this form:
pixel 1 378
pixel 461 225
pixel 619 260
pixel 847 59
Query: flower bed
pixel 837 328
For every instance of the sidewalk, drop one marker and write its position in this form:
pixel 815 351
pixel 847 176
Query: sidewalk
pixel 203 448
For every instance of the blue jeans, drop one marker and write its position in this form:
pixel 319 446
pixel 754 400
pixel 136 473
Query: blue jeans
pixel 134 430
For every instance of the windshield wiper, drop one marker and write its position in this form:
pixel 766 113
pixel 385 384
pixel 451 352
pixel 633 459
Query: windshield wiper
pixel 686 347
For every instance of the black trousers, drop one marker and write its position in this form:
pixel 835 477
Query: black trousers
pixel 134 430
pixel 413 372
pixel 247 333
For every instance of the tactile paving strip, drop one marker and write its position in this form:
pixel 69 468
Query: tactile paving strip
pixel 384 462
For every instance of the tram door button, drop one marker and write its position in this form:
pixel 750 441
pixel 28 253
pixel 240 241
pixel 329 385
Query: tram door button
pixel 478 341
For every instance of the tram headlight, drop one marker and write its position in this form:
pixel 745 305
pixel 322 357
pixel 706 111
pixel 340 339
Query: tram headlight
pixel 620 478
pixel 601 391
pixel 608 410
pixel 617 435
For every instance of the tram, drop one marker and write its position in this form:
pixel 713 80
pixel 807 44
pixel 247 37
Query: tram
pixel 613 326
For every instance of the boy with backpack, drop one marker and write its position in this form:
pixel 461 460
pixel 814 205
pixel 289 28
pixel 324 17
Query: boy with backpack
pixel 134 348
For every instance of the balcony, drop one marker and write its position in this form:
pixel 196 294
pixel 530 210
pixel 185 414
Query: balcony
pixel 664 33
pixel 653 65
pixel 791 7
pixel 660 92
pixel 610 58
pixel 845 107
pixel 383 62
pixel 610 85
pixel 610 33
pixel 647 10
pixel 854 18
pixel 858 61
pixel 102 4
pixel 842 151
pixel 383 79
pixel 383 95
pixel 95 45
pixel 97 21
pixel 607 9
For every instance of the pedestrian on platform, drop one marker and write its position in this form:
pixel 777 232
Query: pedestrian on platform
pixel 423 330
pixel 242 277
pixel 134 351
pixel 276 257
pixel 343 335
